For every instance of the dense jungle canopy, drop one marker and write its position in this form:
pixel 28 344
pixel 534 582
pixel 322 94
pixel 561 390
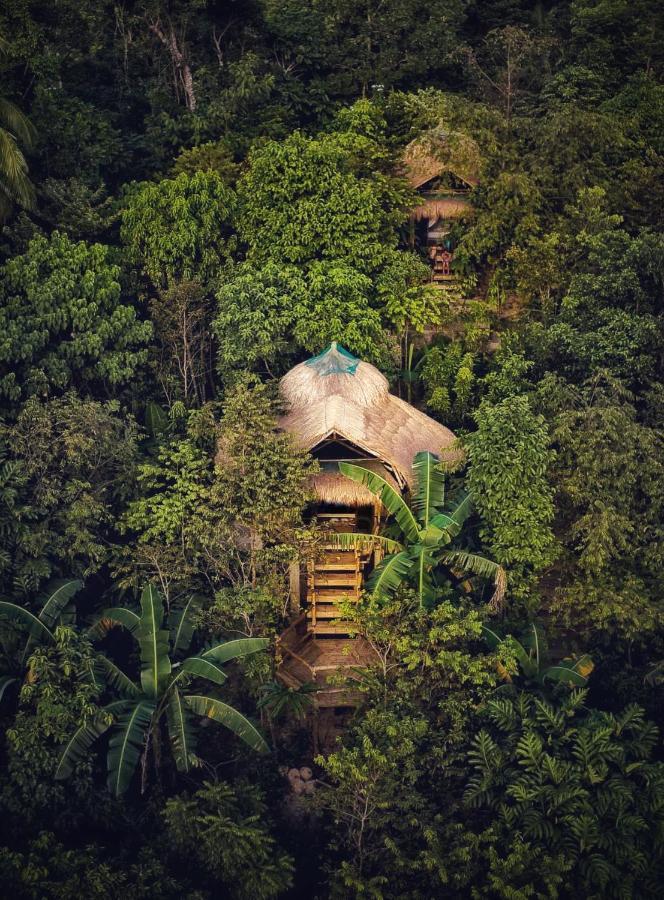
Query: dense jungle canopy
pixel 197 196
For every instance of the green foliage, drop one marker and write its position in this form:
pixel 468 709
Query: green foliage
pixel 579 784
pixel 532 654
pixel 448 376
pixel 306 199
pixel 62 322
pixel 222 830
pixel 68 462
pixel 16 134
pixel 510 460
pixel 136 719
pixel 609 471
pixel 425 556
pixel 179 228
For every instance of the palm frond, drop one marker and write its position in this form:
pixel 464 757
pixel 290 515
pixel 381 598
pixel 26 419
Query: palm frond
pixel 228 650
pixel 429 494
pixel 353 540
pixel 25 620
pixel 389 574
pixel 230 718
pixel 481 566
pixel 390 499
pixel 181 733
pixel 114 676
pixel 181 625
pixel 17 123
pixel 76 748
pixel 126 745
pixel 570 671
pixel 204 668
pixel 56 598
pixel 153 641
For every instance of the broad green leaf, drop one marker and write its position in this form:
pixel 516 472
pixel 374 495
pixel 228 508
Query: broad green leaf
pixel 228 650
pixel 570 671
pixel 114 676
pixel 389 574
pixel 56 598
pixel 231 718
pixel 25 620
pixel 421 570
pixel 126 745
pixel 481 566
pixel 76 748
pixel 390 499
pixel 181 625
pixel 429 494
pixel 153 640
pixel 180 732
pixel 353 540
pixel 5 682
pixel 113 616
pixel 492 637
pixel 204 668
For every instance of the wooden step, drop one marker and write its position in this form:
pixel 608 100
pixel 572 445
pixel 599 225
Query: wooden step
pixel 339 579
pixel 327 627
pixel 335 567
pixel 338 556
pixel 328 611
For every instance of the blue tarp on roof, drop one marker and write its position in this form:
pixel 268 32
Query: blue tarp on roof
pixel 335 360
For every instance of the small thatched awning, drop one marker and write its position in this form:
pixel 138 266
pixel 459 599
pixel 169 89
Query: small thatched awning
pixel 337 395
pixel 442 208
pixel 330 486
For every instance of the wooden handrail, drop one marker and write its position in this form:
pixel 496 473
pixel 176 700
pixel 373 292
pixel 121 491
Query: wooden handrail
pixel 300 659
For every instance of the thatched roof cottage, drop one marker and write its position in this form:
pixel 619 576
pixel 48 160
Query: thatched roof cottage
pixel 340 409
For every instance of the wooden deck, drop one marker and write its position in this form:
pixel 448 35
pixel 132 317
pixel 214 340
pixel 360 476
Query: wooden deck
pixel 318 647
pixel 328 661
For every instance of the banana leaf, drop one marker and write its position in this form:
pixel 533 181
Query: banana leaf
pixel 181 732
pixel 224 652
pixel 154 643
pixel 390 499
pixel 181 624
pixel 230 718
pixel 126 745
pixel 76 748
pixel 204 668
pixel 25 620
pixel 389 574
pixel 113 675
pixel 429 494
pixel 353 540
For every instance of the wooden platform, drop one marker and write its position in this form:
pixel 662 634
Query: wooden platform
pixel 328 661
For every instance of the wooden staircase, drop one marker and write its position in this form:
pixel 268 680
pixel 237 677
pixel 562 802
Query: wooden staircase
pixel 334 576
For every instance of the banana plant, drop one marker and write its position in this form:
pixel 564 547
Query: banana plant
pixel 54 607
pixel 427 531
pixel 532 655
pixel 161 695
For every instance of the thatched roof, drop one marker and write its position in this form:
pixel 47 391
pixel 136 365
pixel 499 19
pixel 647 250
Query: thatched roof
pixel 330 486
pixel 442 208
pixel 439 151
pixel 337 395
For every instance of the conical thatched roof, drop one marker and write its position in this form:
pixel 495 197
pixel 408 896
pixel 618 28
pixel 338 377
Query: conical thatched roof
pixel 336 395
